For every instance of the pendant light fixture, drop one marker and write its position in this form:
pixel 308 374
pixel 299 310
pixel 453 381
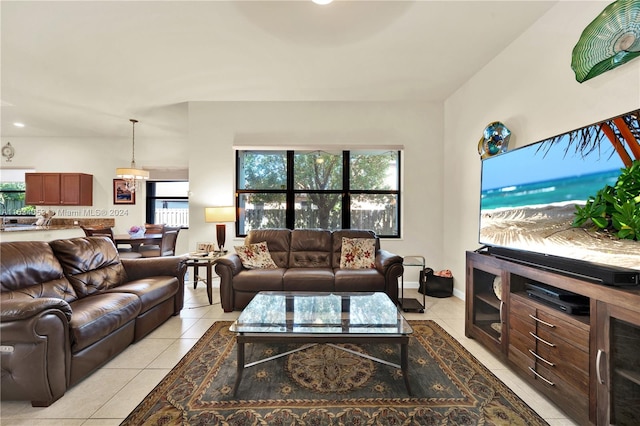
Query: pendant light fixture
pixel 132 175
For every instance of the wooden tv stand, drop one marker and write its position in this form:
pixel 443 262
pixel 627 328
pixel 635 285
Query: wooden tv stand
pixel 588 365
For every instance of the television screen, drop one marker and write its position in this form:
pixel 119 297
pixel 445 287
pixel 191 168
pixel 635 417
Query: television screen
pixel 529 195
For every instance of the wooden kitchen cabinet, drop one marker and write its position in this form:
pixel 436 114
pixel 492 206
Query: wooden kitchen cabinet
pixel 59 189
pixel 42 189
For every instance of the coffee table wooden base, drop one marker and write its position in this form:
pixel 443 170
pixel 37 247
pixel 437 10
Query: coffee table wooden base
pixel 312 340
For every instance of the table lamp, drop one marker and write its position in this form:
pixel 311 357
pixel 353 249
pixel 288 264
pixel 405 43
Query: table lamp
pixel 219 215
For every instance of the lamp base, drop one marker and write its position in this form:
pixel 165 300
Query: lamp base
pixel 221 229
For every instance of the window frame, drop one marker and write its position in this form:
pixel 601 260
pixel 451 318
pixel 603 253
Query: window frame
pixel 12 176
pixel 151 199
pixel 346 192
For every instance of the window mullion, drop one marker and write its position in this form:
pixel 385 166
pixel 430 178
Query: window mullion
pixel 346 190
pixel 291 196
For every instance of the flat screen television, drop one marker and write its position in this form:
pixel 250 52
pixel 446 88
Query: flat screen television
pixel 529 196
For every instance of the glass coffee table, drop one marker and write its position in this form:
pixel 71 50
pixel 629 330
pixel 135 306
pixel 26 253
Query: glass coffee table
pixel 321 318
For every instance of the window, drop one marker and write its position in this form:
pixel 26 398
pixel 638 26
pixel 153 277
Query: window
pixel 168 203
pixel 12 194
pixel 319 189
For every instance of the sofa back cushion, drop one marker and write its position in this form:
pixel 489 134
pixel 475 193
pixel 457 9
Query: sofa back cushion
pixel 310 248
pixel 30 268
pixel 278 242
pixel 91 264
pixel 336 243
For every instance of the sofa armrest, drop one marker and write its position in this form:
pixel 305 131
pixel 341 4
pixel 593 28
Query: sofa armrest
pixel 390 265
pixel 173 266
pixel 136 269
pixel 227 267
pixel 231 261
pixel 24 308
pixel 36 352
pixel 386 259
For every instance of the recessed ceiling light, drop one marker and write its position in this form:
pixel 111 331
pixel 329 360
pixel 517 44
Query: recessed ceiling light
pixel 18 124
pixel 323 2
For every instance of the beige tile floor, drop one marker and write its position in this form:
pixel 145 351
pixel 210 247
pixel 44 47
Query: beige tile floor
pixel 107 396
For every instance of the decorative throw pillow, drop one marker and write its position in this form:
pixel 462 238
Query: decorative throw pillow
pixel 358 253
pixel 255 256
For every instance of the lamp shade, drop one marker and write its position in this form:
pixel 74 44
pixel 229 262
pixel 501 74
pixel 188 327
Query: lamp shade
pixel 131 173
pixel 220 214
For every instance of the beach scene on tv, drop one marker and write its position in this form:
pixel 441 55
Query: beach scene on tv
pixel 529 198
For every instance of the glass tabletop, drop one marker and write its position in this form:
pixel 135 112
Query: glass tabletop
pixel 321 313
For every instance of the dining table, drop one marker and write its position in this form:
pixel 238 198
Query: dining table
pixel 136 242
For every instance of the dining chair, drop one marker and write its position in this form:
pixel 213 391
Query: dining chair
pixel 167 245
pixel 152 228
pixel 106 231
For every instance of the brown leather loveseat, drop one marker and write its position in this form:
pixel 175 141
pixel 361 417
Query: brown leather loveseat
pixel 69 306
pixel 306 260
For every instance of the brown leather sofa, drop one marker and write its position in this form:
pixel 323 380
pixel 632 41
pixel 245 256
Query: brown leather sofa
pixel 69 306
pixel 307 260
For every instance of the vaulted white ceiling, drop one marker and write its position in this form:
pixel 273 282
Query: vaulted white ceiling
pixel 83 68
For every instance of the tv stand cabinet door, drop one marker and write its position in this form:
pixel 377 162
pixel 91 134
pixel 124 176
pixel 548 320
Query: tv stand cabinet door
pixel 617 365
pixel 486 307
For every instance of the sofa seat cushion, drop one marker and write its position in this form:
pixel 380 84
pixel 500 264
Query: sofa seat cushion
pixel 255 280
pixel 359 280
pixel 97 316
pixel 151 291
pixel 308 279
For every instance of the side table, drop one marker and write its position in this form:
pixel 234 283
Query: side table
pixel 411 304
pixel 196 260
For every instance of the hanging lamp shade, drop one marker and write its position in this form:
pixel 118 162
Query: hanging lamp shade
pixel 610 40
pixel 132 174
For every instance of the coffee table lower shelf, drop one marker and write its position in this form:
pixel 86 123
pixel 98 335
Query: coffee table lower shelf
pixel 408 305
pixel 311 340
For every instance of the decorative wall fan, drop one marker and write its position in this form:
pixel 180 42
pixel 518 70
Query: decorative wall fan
pixel 610 40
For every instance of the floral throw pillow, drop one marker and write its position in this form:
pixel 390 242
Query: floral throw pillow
pixel 358 253
pixel 255 256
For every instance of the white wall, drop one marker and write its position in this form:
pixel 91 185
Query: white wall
pixel 214 128
pixel 531 88
pixel 100 158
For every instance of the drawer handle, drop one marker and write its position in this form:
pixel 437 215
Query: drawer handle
pixel 599 357
pixel 549 382
pixel 542 340
pixel 542 322
pixel 541 359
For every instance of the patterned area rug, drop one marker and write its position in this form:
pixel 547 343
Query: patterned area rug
pixel 324 385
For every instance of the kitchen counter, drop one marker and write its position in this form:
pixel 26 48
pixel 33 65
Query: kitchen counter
pixel 20 227
pixel 60 228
